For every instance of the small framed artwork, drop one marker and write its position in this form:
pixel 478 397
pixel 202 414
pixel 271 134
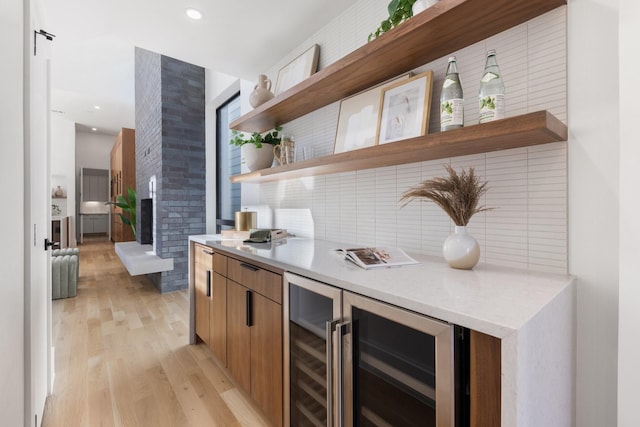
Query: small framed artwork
pixel 358 118
pixel 405 109
pixel 297 70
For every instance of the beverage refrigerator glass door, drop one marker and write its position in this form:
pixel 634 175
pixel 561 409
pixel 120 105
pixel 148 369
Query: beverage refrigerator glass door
pixel 312 311
pixel 354 361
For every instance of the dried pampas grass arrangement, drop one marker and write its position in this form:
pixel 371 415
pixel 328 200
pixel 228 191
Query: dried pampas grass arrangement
pixel 458 194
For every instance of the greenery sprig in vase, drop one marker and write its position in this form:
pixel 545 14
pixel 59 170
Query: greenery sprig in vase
pixel 459 196
pixel 399 11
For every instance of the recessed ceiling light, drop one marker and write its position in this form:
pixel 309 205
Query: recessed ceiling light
pixel 97 107
pixel 94 129
pixel 193 13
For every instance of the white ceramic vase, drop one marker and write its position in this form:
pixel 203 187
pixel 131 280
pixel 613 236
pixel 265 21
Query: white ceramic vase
pixel 461 250
pixel 421 5
pixel 256 158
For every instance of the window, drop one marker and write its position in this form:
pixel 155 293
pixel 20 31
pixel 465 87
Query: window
pixel 228 163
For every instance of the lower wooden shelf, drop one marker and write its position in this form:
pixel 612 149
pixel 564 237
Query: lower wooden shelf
pixel 526 130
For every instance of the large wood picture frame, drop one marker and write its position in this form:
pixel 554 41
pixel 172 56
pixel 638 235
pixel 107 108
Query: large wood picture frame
pixel 297 70
pixel 404 109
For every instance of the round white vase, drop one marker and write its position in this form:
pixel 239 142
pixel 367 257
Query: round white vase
pixel 256 158
pixel 421 5
pixel 461 250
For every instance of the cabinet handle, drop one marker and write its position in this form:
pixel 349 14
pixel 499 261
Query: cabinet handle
pixel 330 328
pixel 343 329
pixel 248 303
pixel 208 283
pixel 248 266
pixel 207 252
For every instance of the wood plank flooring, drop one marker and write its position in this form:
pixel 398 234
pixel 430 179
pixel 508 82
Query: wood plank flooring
pixel 122 356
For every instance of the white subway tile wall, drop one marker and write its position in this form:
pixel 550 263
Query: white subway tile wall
pixel 527 226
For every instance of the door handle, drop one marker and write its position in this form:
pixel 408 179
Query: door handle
pixel 330 328
pixel 248 297
pixel 208 283
pixel 49 244
pixel 207 252
pixel 342 329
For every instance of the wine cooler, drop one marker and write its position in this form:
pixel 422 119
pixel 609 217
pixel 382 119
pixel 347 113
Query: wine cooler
pixel 355 361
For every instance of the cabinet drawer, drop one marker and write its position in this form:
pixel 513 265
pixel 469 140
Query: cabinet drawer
pixel 255 278
pixel 220 264
pixel 203 255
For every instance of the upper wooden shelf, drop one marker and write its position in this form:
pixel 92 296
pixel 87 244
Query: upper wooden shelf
pixel 447 26
pixel 522 131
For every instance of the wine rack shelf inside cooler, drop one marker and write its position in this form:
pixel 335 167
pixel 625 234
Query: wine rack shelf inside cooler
pixel 308 377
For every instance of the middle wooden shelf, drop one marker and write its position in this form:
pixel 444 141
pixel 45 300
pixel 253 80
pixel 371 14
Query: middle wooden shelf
pixel 536 128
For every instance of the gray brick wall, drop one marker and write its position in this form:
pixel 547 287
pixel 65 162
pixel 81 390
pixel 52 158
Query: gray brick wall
pixel 170 123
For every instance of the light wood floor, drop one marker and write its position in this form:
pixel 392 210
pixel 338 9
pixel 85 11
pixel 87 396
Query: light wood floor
pixel 122 356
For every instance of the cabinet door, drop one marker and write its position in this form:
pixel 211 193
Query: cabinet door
pixel 266 356
pixel 100 224
pixel 238 334
pixel 218 317
pixel 203 290
pixel 102 192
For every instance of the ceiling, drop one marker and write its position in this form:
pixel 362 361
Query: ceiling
pixel 93 51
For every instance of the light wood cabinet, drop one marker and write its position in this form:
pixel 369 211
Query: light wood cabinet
pixel 238 314
pixel 218 309
pixel 202 280
pixel 123 176
pixel 254 347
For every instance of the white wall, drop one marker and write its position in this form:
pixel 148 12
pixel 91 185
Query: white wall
pixel 63 166
pixel 93 151
pixel 594 145
pixel 12 220
pixel 629 319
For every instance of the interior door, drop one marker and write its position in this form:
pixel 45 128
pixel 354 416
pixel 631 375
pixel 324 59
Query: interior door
pixel 38 360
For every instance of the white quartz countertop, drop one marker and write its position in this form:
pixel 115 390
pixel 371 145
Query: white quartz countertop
pixel 491 299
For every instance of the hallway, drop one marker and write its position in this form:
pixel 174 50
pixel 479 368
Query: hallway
pixel 122 356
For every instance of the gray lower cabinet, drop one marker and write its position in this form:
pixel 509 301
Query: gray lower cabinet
pixel 94 224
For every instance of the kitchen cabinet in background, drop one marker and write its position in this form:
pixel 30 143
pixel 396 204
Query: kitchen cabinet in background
pixel 95 185
pixel 94 224
pixel 123 176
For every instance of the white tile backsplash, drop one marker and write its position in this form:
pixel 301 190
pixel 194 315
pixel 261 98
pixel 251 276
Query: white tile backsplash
pixel 527 186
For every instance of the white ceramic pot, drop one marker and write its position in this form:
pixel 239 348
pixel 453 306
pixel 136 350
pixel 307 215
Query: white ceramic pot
pixel 421 5
pixel 461 250
pixel 256 158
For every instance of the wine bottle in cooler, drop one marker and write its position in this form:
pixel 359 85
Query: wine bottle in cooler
pixel 491 95
pixel 451 99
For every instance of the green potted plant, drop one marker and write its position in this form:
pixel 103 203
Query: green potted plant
pixel 256 149
pixel 399 11
pixel 128 206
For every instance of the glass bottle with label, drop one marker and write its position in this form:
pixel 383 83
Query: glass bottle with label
pixel 451 99
pixel 491 95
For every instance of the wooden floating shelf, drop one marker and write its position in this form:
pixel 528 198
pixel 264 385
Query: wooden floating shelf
pixel 443 28
pixel 521 131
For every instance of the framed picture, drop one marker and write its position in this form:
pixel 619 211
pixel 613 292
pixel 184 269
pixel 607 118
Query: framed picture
pixel 405 109
pixel 297 70
pixel 358 118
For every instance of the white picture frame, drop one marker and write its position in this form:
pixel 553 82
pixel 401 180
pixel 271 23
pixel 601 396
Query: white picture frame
pixel 358 118
pixel 298 70
pixel 404 109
